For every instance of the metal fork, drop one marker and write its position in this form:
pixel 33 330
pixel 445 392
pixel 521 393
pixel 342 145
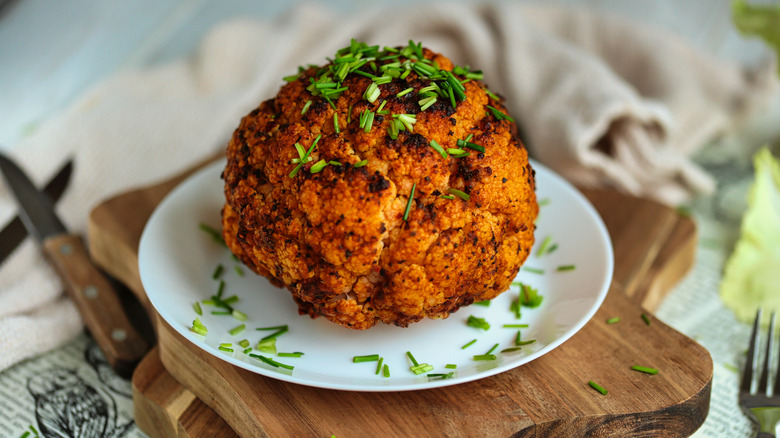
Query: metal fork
pixel 760 402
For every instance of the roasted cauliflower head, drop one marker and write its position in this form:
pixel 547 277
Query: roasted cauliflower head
pixel 387 185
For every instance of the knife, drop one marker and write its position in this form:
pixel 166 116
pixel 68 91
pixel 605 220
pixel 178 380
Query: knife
pixel 92 293
pixel 14 233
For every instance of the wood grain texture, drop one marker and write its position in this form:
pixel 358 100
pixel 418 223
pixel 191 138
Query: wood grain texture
pixel 164 408
pixel 97 301
pixel 654 247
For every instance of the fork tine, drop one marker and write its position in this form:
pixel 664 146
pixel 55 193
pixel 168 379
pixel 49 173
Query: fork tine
pixel 763 383
pixel 777 374
pixel 747 373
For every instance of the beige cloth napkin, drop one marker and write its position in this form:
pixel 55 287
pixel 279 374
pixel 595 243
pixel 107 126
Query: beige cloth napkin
pixel 599 99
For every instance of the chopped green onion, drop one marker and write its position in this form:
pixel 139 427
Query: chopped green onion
pixel 408 120
pixel 646 370
pixel 451 366
pixel 247 350
pixel 220 288
pixel 239 315
pixel 498 114
pixel 230 300
pixel 451 95
pixel 485 303
pixel 379 365
pixel 271 362
pixel 276 327
pixel 447 196
pixel 468 344
pixel 409 203
pixel 511 349
pixel 276 334
pixel 318 166
pixel 566 268
pixel 405 92
pixel 196 307
pixel 613 320
pixel 366 358
pixel 598 387
pixel 529 297
pixel 368 121
pixel 485 357
pixel 226 347
pixel 437 147
pixel 363 73
pixel 220 312
pixel 519 342
pixel 516 308
pixel 336 122
pixel 237 329
pixel 394 128
pixel 441 376
pixel 291 78
pixel 470 145
pixel 382 105
pixel 386 371
pixel 239 271
pixel 454 151
pixel 293 354
pixel 306 107
pixel 305 156
pixel 216 235
pixel 218 271
pixel 360 163
pixel 422 368
pixel 543 246
pixel 459 194
pixel 479 323
pixel 198 327
pixel 382 80
pixel 267 346
pixel 533 270
pixel 492 349
pixel 645 319
pixel 244 343
pixel 491 95
pixel 372 92
pixel 411 357
pixel 426 103
pixel 515 326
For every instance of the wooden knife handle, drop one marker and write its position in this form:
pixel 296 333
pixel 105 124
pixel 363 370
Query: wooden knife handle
pixel 97 302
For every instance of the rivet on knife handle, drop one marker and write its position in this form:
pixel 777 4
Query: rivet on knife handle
pixel 98 303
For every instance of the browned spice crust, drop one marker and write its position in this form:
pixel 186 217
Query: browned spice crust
pixel 337 239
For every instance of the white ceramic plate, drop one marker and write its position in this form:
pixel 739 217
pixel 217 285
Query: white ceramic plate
pixel 177 259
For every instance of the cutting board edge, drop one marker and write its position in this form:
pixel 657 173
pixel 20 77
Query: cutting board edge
pixel 695 407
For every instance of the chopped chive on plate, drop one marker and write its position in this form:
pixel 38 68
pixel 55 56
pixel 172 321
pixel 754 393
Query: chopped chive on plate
pixel 176 263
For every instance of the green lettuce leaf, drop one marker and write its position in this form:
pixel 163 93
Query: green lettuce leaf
pixel 759 21
pixel 751 278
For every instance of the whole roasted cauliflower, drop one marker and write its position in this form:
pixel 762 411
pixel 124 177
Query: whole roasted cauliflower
pixel 387 185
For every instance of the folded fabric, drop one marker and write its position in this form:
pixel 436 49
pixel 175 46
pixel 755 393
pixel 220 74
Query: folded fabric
pixel 601 100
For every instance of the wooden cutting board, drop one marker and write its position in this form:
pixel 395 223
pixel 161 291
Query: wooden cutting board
pixel 181 391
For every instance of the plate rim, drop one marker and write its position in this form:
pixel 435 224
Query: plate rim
pixel 562 183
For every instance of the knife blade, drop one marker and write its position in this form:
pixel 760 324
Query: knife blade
pixel 92 293
pixel 14 233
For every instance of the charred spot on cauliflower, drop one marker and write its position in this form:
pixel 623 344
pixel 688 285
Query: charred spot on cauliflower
pixel 319 178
